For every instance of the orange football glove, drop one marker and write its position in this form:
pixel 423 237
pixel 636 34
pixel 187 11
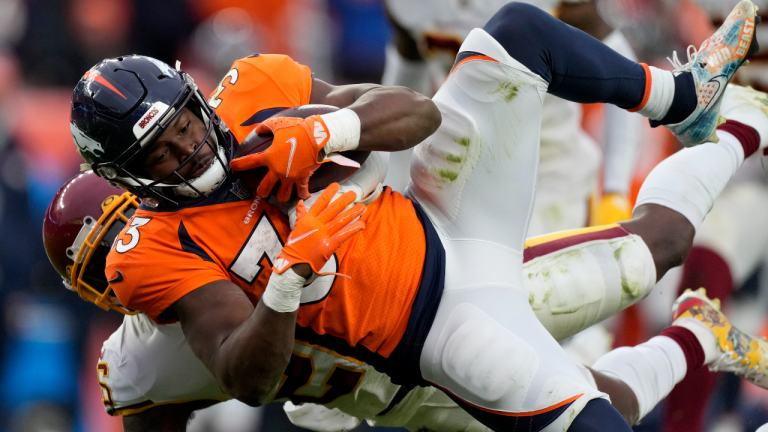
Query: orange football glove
pixel 613 207
pixel 320 231
pixel 292 158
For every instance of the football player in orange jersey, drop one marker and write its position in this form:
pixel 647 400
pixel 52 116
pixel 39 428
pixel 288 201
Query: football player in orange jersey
pixel 149 375
pixel 434 295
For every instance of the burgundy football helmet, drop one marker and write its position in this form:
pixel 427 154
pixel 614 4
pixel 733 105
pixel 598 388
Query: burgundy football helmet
pixel 80 225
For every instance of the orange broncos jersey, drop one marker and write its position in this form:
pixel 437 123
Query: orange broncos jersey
pixel 232 235
pixel 257 87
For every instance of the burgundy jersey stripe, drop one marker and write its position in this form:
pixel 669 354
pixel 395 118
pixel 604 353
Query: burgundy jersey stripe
pixel 555 245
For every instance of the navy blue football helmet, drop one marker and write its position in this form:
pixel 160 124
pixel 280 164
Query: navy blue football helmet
pixel 119 109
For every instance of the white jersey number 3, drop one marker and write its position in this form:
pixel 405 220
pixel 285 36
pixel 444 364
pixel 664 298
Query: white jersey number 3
pixel 133 231
pixel 265 243
pixel 215 100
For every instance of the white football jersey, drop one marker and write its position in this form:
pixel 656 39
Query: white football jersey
pixel 439 27
pixel 144 364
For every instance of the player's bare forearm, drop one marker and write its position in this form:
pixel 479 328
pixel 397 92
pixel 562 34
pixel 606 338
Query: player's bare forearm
pixel 394 118
pixel 391 118
pixel 253 358
pixel 246 348
pixel 164 418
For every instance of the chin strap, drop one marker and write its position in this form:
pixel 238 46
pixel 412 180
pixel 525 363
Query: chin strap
pixel 209 180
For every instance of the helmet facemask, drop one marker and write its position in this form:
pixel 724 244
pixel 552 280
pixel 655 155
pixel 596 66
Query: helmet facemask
pixel 216 172
pixel 89 251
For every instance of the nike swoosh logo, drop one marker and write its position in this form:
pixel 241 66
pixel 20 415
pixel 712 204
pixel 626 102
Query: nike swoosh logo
pixel 715 80
pixel 292 241
pixel 119 278
pixel 292 141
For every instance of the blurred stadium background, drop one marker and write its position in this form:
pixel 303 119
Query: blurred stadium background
pixel 50 339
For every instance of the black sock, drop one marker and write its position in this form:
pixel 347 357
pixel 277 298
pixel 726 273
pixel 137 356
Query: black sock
pixel 684 102
pixel 578 67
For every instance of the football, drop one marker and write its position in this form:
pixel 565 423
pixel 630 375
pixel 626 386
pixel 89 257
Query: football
pixel 327 173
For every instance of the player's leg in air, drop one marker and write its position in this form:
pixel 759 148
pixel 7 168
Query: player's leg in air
pixel 570 286
pixel 579 68
pixel 728 248
pixel 475 178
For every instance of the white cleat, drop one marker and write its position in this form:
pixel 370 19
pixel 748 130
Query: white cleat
pixel 748 106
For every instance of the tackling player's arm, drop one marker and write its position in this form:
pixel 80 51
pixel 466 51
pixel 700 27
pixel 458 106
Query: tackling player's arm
pixel 391 118
pixel 164 418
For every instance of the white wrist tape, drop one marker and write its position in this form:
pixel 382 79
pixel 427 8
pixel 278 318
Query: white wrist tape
pixel 283 292
pixel 344 130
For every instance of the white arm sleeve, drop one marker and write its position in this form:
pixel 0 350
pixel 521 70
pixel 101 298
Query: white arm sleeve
pixel 403 72
pixel 690 180
pixel 622 132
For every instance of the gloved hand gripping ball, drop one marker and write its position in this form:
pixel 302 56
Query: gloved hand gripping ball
pixel 320 231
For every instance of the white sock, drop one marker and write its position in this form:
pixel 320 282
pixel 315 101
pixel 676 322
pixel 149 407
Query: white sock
pixel 689 181
pixel 650 369
pixel 707 339
pixel 661 95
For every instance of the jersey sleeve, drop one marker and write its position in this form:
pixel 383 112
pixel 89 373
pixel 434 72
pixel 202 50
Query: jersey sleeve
pixel 144 365
pixel 163 266
pixel 117 391
pixel 257 87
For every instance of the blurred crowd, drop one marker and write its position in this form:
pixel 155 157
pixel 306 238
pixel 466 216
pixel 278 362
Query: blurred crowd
pixel 50 339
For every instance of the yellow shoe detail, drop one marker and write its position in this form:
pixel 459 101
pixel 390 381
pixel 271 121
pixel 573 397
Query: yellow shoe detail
pixel 740 353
